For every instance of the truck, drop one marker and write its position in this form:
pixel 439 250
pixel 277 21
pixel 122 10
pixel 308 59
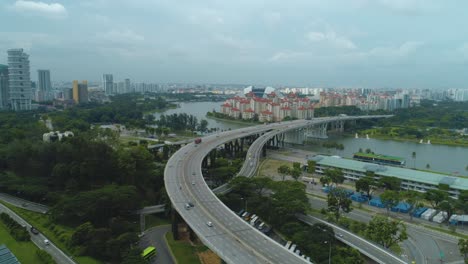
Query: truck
pixel 198 140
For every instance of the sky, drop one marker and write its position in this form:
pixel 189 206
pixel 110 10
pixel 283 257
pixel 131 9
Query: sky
pixel 327 43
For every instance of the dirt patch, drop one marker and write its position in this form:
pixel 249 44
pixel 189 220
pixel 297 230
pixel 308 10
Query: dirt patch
pixel 209 257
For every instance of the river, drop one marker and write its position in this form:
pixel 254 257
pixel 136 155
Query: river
pixel 199 110
pixel 447 159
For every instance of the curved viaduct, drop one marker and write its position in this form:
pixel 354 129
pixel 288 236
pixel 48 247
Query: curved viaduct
pixel 233 239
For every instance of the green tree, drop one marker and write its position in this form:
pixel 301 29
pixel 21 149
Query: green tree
pixel 203 125
pixel 311 166
pixel 337 202
pixel 463 246
pixel 296 173
pixel 336 176
pixel 385 231
pixel 462 202
pixel 366 184
pixel 296 165
pixel 413 155
pixel 284 170
pixel 449 206
pixel 428 166
pixel 390 199
pixel 413 198
pixel 434 197
pixel 390 183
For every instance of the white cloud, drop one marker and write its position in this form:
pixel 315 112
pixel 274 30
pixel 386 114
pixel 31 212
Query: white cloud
pixel 332 38
pixel 403 50
pixel 54 10
pixel 125 36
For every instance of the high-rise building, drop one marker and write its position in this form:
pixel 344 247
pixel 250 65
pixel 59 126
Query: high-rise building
pixel 44 88
pixel 3 86
pixel 19 80
pixel 127 86
pixel 80 92
pixel 108 83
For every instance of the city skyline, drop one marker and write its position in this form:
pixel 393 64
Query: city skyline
pixel 358 43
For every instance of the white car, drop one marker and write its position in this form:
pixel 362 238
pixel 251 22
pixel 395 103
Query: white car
pixel 46 242
pixel 209 223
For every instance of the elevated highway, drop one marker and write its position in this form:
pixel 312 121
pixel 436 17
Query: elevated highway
pixel 234 240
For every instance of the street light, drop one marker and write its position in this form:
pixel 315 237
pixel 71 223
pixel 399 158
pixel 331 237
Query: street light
pixel 245 203
pixel 329 242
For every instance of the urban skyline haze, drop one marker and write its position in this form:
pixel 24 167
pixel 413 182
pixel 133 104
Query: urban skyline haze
pixel 355 43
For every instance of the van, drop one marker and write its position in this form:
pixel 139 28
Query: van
pixel 261 226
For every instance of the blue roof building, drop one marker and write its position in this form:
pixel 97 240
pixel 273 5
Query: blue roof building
pixel 6 257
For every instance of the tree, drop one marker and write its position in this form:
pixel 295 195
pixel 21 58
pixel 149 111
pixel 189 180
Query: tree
pixel 324 180
pixel 366 184
pixel 413 198
pixel 462 202
pixel 284 170
pixel 296 173
pixel 311 166
pixel 296 165
pixel 385 231
pixel 448 205
pixel 390 183
pixel 203 126
pixel 338 201
pixel 390 199
pixel 336 176
pixel 463 246
pixel 428 166
pixel 413 155
pixel 434 197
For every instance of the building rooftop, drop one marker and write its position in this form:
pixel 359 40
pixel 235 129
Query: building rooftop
pixel 6 257
pixel 380 156
pixel 389 171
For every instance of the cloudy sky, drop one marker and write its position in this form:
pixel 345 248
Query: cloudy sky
pixel 352 43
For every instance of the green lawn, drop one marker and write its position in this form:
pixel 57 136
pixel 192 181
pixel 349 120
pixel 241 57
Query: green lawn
pixel 24 251
pixel 183 251
pixel 153 220
pixel 57 234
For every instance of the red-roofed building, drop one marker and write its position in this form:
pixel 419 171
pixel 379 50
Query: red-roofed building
pixel 248 114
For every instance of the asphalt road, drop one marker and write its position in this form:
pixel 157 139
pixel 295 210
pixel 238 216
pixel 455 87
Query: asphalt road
pixel 21 203
pixel 155 237
pixel 59 256
pixel 423 246
pixel 368 248
pixel 234 240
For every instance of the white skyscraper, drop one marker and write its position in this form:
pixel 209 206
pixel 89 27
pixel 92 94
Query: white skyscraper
pixel 44 88
pixel 108 83
pixel 127 88
pixel 19 80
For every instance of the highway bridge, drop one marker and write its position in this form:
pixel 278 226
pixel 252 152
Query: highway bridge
pixel 234 240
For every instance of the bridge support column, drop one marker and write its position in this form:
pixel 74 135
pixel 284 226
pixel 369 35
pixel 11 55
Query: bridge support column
pixel 142 222
pixel 175 224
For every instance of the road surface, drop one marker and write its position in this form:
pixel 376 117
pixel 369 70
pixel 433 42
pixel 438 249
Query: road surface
pixel 21 203
pixel 59 256
pixel 234 240
pixel 155 237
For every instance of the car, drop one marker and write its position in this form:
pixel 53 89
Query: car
pixel 209 224
pixel 187 206
pixel 24 204
pixel 193 173
pixel 46 242
pixel 191 204
pixel 193 182
pixel 340 235
pixel 34 230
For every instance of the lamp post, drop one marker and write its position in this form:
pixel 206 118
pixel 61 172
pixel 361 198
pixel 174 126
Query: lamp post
pixel 245 203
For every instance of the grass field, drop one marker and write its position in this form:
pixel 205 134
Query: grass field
pixel 183 251
pixel 153 220
pixel 57 234
pixel 25 252
pixel 269 168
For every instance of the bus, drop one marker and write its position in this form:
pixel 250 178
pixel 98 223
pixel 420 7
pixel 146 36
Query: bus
pixel 149 253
